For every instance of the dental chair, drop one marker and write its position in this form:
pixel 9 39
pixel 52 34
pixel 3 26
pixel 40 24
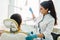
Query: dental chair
pixel 9 23
pixel 55 34
pixel 6 36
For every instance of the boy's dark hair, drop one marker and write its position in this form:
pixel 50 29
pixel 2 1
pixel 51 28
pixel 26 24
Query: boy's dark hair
pixel 17 18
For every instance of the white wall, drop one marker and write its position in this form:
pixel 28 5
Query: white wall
pixel 3 11
pixel 57 7
pixel 34 4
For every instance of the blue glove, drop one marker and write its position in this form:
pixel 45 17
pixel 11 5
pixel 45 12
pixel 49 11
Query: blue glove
pixel 30 9
pixel 31 37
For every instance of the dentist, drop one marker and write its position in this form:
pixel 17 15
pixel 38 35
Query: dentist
pixel 45 25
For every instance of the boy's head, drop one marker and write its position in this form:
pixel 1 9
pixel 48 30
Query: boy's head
pixel 17 18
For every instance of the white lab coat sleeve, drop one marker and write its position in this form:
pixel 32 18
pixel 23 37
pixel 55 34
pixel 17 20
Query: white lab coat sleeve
pixel 49 28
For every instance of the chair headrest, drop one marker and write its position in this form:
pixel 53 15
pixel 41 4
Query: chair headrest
pixel 10 23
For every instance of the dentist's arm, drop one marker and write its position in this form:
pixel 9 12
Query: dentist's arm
pixel 33 16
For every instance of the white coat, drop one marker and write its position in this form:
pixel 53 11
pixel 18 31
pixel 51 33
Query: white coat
pixel 46 26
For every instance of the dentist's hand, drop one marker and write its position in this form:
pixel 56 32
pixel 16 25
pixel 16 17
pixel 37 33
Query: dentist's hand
pixel 40 35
